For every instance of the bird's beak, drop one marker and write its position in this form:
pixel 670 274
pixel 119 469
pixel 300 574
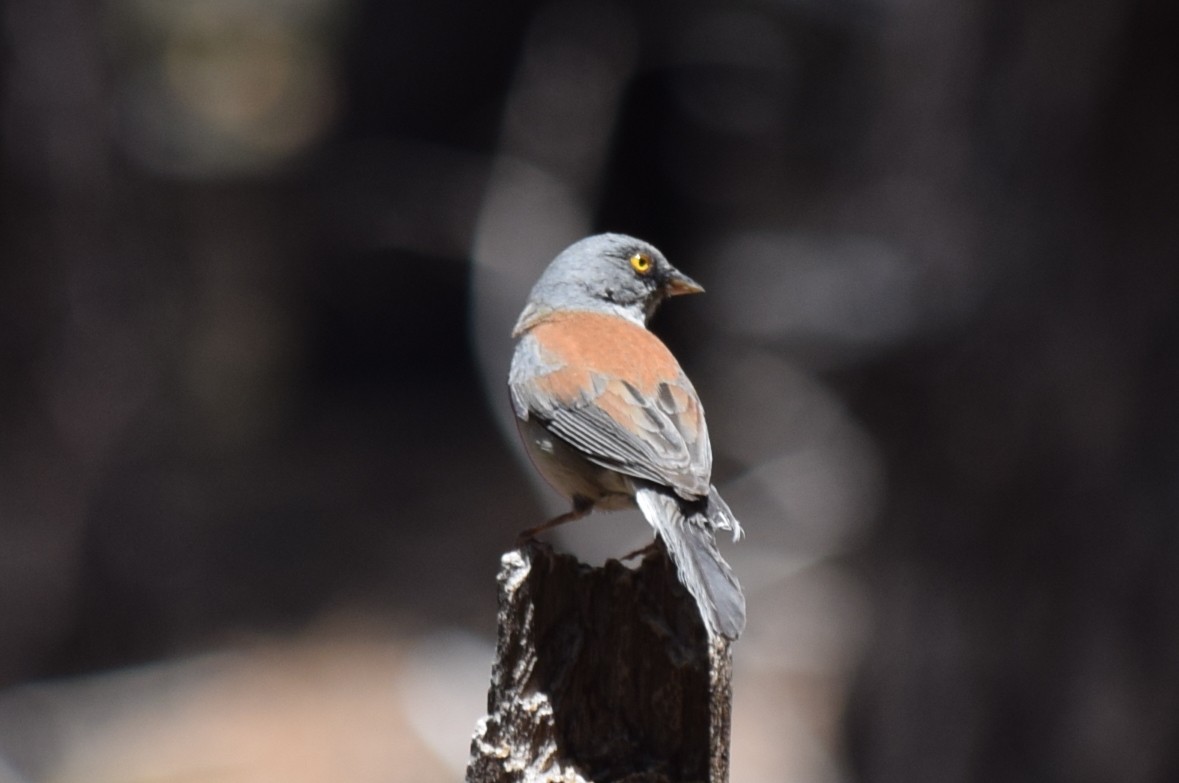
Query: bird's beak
pixel 679 283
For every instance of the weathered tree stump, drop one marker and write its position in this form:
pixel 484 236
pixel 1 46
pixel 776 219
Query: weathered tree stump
pixel 603 675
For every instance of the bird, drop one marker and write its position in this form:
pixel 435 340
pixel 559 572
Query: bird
pixel 609 418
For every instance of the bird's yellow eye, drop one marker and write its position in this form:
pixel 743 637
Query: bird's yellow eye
pixel 641 263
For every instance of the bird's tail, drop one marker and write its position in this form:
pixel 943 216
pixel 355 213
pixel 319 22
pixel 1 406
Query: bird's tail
pixel 687 531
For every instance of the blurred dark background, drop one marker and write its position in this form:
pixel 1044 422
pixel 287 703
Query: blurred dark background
pixel 259 260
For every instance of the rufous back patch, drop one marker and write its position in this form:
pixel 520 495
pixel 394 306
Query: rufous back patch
pixel 597 343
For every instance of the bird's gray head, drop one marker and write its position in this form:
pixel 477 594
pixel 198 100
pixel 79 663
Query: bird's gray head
pixel 611 273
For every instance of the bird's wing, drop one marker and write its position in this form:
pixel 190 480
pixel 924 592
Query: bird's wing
pixel 648 424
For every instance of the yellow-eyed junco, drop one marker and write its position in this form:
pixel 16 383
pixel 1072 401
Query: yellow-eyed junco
pixel 610 419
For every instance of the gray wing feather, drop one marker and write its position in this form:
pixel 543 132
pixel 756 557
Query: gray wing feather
pixel 664 454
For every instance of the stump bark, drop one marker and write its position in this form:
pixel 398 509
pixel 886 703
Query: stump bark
pixel 602 675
